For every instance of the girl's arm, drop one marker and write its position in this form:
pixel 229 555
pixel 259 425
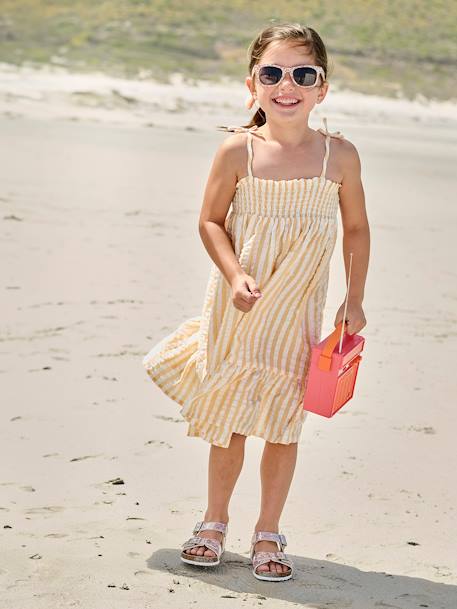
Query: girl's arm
pixel 218 195
pixel 356 235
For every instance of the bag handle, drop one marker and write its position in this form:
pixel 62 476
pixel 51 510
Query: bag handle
pixel 325 358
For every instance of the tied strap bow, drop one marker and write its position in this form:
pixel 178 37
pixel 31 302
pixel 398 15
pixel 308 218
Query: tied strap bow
pixel 325 131
pixel 237 129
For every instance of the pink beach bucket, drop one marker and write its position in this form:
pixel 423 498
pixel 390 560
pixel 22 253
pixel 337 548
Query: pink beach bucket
pixel 332 374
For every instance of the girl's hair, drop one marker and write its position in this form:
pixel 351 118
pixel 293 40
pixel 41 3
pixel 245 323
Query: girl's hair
pixel 296 33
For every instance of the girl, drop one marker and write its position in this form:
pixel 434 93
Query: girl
pixel 238 369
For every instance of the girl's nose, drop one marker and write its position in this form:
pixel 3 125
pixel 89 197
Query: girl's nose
pixel 287 81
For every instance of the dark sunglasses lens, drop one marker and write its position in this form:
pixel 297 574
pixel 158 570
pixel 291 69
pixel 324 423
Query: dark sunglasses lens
pixel 305 77
pixel 269 75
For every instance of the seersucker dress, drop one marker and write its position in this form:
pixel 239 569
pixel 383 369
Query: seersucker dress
pixel 244 373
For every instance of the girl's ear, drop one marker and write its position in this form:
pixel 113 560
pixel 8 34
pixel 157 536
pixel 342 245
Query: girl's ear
pixel 322 92
pixel 250 84
pixel 250 99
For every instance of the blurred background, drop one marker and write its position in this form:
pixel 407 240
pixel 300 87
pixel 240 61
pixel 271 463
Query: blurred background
pixel 392 47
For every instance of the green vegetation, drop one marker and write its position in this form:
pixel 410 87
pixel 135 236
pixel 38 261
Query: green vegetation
pixel 392 47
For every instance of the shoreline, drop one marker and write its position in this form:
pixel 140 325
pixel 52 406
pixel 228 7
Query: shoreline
pixel 55 93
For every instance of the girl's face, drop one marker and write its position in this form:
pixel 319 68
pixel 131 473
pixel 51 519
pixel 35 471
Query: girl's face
pixel 286 54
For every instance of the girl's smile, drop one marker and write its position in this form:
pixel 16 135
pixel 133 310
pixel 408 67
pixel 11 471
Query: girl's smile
pixel 286 101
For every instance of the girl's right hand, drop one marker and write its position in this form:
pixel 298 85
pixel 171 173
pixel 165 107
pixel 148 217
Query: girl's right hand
pixel 245 292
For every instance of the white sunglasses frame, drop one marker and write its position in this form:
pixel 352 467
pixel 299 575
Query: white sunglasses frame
pixel 319 70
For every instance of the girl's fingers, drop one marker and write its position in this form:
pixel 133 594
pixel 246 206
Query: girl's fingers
pixel 246 298
pixel 249 296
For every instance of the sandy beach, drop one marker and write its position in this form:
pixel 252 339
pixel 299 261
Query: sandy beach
pixel 101 257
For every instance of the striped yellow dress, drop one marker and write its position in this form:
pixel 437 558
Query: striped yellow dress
pixel 235 372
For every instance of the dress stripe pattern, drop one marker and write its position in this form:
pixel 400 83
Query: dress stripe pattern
pixel 235 372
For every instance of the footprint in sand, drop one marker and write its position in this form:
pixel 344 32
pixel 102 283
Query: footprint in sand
pixel 158 443
pixel 86 457
pixel 170 419
pixel 45 509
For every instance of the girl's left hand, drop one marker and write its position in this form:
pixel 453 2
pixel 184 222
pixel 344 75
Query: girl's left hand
pixel 354 316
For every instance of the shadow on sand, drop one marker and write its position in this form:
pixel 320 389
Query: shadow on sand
pixel 316 584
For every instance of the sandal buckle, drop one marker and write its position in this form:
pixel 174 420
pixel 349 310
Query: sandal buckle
pixel 197 527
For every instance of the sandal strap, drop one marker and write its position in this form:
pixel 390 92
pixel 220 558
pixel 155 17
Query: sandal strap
pixel 260 558
pixel 269 536
pixel 211 544
pixel 215 526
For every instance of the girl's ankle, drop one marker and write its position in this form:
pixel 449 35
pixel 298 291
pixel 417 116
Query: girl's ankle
pixel 267 527
pixel 216 518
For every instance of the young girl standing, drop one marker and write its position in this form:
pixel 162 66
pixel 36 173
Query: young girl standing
pixel 238 369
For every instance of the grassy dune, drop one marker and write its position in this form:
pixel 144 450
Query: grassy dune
pixel 393 48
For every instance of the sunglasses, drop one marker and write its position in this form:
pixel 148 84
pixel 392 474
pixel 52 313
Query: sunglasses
pixel 303 76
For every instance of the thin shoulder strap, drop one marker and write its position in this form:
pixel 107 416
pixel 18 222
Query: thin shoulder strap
pixel 328 135
pixel 249 131
pixel 250 153
pixel 327 149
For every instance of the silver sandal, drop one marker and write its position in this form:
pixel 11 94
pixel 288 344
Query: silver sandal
pixel 212 544
pixel 260 558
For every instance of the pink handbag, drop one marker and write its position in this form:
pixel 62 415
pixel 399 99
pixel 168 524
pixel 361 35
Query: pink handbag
pixel 332 374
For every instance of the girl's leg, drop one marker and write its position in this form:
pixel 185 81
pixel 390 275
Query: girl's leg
pixel 224 467
pixel 276 472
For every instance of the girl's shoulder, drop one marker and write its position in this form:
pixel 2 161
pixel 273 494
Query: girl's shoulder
pixel 345 156
pixel 234 146
pixel 343 149
pixel 236 136
pixel 346 153
pixel 231 154
pixel 340 141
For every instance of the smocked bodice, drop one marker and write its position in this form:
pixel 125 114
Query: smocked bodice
pixel 317 196
pixel 313 196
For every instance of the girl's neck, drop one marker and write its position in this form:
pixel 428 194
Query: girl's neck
pixel 287 135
